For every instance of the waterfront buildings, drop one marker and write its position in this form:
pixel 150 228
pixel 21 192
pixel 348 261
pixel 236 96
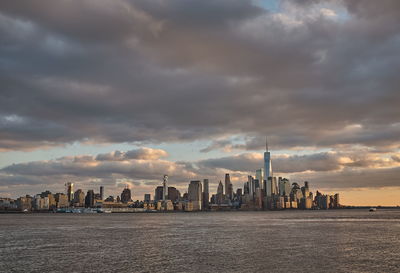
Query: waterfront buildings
pixel 62 200
pixel 24 203
pixel 50 199
pixel 41 203
pixel 289 196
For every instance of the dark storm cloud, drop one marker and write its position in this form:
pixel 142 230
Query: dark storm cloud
pixel 141 71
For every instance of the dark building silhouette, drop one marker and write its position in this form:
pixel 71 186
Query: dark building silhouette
pixel 173 194
pixel 158 193
pixel 206 195
pixel 147 197
pixel 110 199
pixel 228 186
pixel 79 198
pixel 89 199
pixel 220 193
pixel 126 195
pixel 101 192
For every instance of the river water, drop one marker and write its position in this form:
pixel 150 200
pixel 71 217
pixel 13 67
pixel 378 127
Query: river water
pixel 286 241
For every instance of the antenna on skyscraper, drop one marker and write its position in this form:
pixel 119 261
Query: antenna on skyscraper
pixel 266 143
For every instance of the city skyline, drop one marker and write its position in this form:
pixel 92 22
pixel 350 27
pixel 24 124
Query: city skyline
pixel 254 161
pixel 191 89
pixel 261 191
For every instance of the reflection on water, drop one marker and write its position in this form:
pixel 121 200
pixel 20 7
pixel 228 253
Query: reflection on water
pixel 297 241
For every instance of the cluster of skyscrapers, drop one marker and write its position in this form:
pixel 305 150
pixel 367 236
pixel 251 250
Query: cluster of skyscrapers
pixel 262 192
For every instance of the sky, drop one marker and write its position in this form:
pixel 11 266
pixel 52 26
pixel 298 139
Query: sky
pixel 115 93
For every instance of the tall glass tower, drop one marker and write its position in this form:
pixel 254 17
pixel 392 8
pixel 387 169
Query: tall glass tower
pixel 267 169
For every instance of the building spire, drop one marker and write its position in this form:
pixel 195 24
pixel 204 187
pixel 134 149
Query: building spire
pixel 266 143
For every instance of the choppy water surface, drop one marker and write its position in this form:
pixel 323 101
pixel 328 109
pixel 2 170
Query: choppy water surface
pixel 288 241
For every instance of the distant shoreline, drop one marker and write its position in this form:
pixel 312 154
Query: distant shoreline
pixel 233 210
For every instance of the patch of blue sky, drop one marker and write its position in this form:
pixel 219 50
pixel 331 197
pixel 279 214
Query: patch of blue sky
pixel 270 5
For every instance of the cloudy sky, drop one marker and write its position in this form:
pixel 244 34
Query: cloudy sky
pixel 119 92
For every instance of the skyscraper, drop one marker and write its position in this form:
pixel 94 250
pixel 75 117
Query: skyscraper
pixel 227 182
pixel 79 198
pixel 220 193
pixel 220 189
pixel 126 195
pixel 268 187
pixel 267 162
pixel 195 194
pixel 101 192
pixel 275 189
pixel 260 176
pixel 89 199
pixel 165 187
pixel 246 188
pixel 269 183
pixel 70 191
pixel 206 194
pixel 305 189
pixel 284 186
pixel 336 201
pixel 250 181
pixel 158 193
pixel 173 194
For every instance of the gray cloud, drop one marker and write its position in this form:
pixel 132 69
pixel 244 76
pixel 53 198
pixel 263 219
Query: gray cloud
pixel 125 71
pixel 396 158
pixel 100 167
pixel 141 153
